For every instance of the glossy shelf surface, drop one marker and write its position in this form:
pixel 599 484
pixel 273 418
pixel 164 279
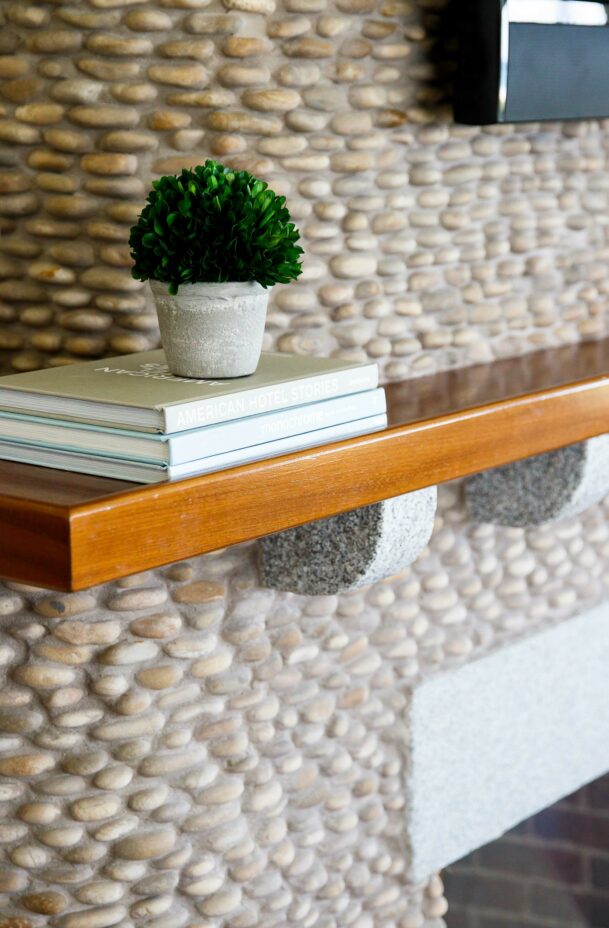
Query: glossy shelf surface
pixel 70 531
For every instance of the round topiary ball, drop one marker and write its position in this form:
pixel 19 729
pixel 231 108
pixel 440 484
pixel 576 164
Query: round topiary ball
pixel 211 224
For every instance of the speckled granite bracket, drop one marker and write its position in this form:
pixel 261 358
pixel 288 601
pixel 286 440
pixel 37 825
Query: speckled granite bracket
pixel 349 550
pixel 541 489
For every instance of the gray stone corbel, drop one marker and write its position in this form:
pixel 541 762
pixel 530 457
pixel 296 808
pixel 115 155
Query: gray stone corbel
pixel 541 489
pixel 349 550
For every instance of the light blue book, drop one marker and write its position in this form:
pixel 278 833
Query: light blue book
pixel 183 447
pixel 142 472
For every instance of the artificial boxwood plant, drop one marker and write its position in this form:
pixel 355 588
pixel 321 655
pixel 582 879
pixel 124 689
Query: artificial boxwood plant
pixel 212 224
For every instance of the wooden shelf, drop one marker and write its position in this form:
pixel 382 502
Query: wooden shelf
pixel 70 531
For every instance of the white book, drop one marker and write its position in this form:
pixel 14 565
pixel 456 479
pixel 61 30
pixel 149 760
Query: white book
pixel 137 391
pixel 155 473
pixel 182 447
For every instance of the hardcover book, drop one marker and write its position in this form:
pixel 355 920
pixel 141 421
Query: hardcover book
pixel 138 392
pixel 182 447
pixel 144 472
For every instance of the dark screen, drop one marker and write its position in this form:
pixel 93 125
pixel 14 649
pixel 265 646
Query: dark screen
pixel 557 72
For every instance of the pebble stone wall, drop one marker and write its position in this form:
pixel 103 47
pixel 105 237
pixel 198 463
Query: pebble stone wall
pixel 183 748
pixel 428 244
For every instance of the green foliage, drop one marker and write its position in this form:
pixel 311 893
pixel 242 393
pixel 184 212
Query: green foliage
pixel 212 224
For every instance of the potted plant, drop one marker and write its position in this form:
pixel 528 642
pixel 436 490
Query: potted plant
pixel 212 241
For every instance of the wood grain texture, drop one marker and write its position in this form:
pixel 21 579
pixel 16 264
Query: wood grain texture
pixel 70 531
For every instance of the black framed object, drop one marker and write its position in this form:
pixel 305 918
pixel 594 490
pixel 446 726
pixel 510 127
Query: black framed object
pixel 531 60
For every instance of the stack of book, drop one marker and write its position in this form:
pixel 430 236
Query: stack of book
pixel 131 419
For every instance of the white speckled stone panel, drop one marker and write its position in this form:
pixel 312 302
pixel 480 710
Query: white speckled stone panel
pixel 503 737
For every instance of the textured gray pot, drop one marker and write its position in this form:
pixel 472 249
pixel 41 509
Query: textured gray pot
pixel 212 330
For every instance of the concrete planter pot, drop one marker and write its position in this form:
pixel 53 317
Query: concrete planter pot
pixel 212 330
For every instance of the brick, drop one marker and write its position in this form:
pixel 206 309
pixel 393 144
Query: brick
pixel 600 872
pixel 581 828
pixel 551 901
pixel 461 917
pixel 481 889
pixel 524 828
pixel 596 908
pixel 516 855
pixel 577 799
pixel 573 909
pixel 495 920
pixel 597 794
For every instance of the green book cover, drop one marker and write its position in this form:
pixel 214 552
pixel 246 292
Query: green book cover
pixel 138 391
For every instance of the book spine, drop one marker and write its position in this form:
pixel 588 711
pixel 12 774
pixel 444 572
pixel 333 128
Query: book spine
pixel 280 446
pixel 257 430
pixel 228 407
pixel 118 469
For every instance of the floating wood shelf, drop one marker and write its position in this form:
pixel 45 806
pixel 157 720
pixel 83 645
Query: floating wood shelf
pixel 70 531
